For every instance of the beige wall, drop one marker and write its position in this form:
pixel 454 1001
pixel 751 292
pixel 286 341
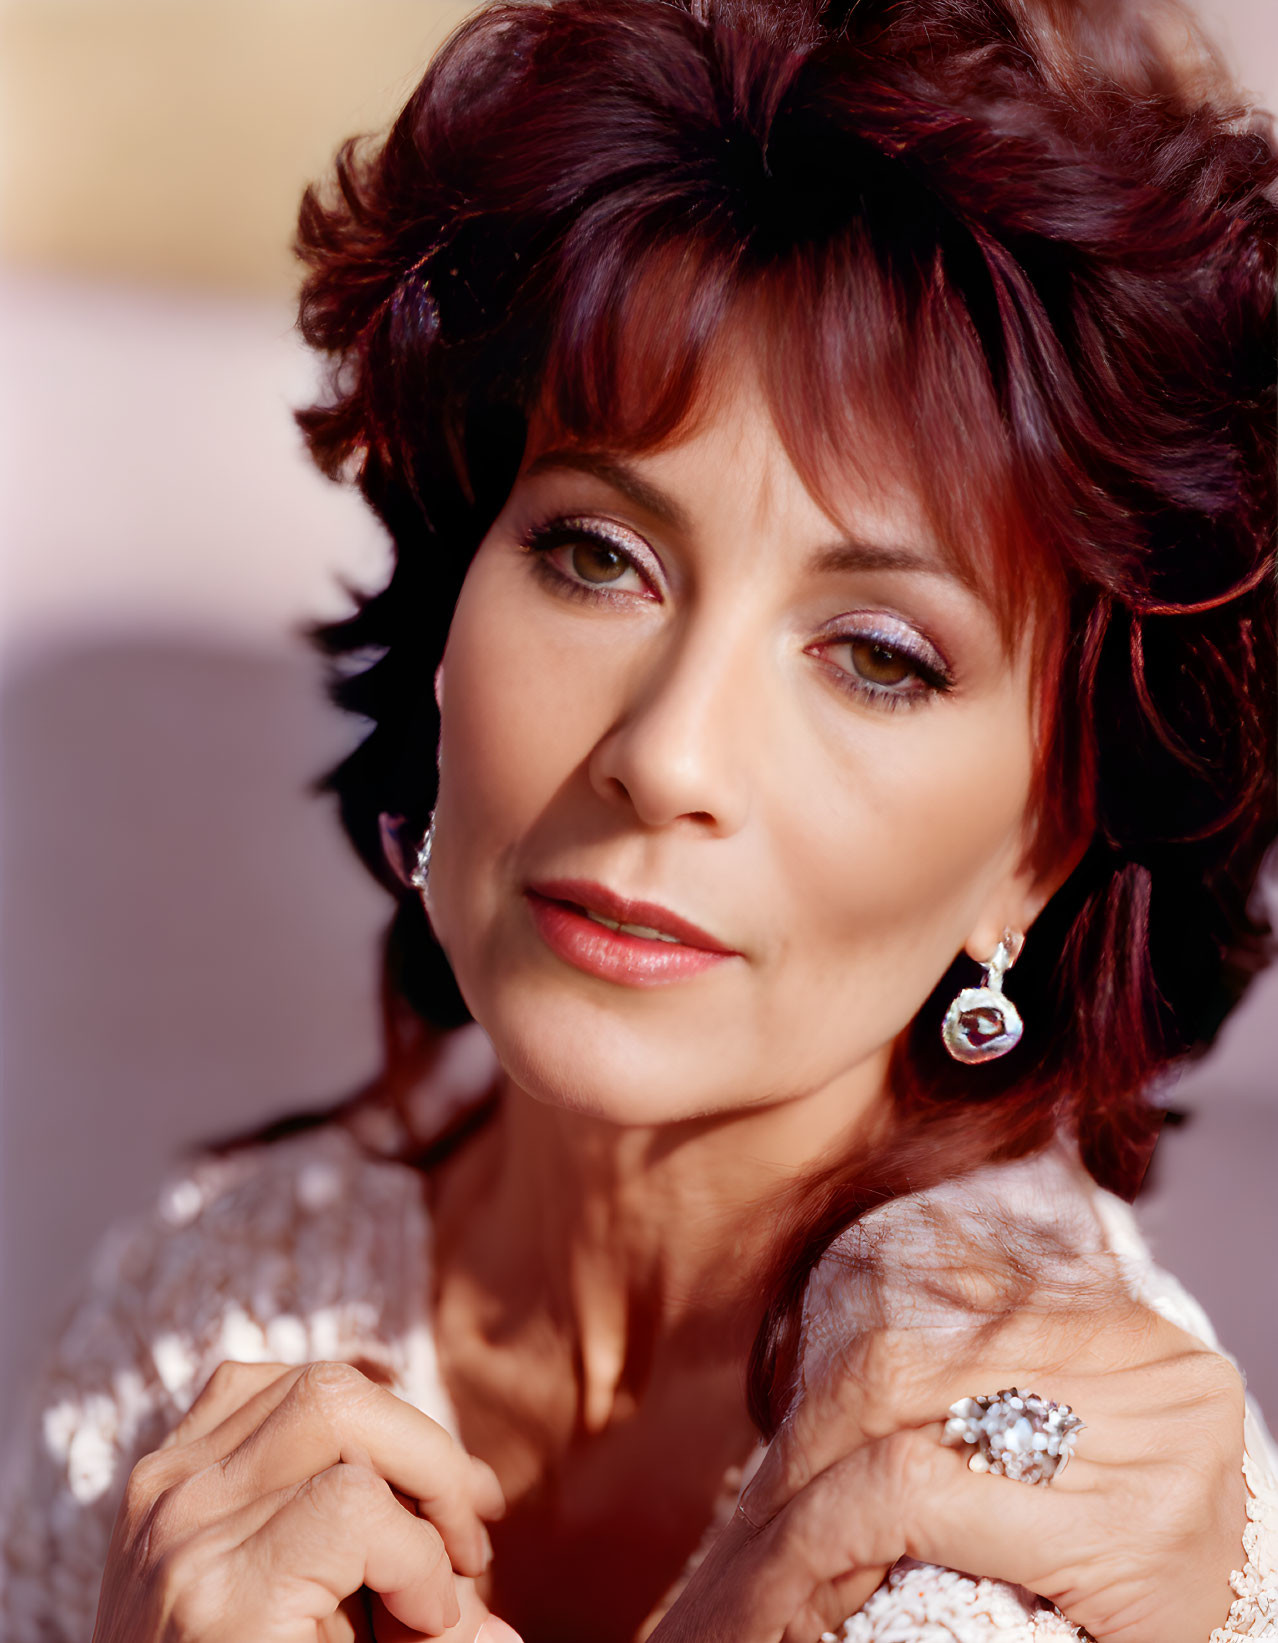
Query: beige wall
pixel 170 139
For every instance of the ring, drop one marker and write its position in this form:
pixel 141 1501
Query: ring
pixel 1014 1434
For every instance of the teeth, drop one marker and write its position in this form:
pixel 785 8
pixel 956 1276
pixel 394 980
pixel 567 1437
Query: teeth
pixel 630 929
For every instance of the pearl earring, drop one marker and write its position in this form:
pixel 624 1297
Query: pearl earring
pixel 982 1023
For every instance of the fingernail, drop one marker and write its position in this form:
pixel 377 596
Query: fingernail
pixel 497 1631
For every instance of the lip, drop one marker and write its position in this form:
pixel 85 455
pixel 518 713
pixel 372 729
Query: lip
pixel 558 911
pixel 627 910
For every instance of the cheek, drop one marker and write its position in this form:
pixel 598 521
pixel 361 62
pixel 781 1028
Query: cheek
pixel 516 722
pixel 922 822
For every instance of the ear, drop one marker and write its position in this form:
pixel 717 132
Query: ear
pixel 1017 900
pixel 390 829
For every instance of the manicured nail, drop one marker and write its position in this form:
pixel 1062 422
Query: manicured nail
pixel 497 1631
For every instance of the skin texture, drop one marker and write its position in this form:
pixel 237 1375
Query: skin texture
pixel 688 743
pixel 699 735
pixel 656 741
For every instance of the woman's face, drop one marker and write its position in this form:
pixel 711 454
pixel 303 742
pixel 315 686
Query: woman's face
pixel 674 678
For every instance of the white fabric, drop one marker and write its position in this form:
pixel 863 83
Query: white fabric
pixel 309 1248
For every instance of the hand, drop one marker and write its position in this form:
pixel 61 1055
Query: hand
pixel 1134 1541
pixel 372 1623
pixel 282 1492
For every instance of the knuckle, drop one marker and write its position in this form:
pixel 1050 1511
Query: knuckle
pixel 151 1474
pixel 177 1510
pixel 1182 1503
pixel 195 1599
pixel 231 1380
pixel 330 1388
pixel 1223 1382
pixel 223 1379
pixel 349 1491
pixel 789 1470
pixel 908 1467
pixel 888 1374
pixel 1209 1441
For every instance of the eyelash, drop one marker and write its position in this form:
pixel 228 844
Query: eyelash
pixel 539 540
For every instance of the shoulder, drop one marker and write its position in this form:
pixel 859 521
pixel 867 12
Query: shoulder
pixel 950 1258
pixel 300 1249
pixel 960 1253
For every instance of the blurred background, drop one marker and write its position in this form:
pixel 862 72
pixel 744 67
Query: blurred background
pixel 186 946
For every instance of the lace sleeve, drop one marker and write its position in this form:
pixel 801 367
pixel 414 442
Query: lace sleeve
pixel 1254 1612
pixel 299 1251
pixel 99 1404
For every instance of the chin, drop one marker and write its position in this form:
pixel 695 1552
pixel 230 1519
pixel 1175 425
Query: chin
pixel 583 1057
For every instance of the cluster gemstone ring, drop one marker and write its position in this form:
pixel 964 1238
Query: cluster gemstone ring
pixel 1014 1434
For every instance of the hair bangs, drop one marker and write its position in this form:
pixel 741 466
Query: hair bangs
pixel 878 385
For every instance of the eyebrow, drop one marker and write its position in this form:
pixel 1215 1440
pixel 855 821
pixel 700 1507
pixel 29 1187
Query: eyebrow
pixel 851 554
pixel 856 555
pixel 622 478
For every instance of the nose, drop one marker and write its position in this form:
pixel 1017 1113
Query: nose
pixel 679 745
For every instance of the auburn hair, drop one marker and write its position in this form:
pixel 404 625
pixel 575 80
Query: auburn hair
pixel 1010 244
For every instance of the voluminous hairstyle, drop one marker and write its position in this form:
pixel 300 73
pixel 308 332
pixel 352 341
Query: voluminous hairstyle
pixel 1013 252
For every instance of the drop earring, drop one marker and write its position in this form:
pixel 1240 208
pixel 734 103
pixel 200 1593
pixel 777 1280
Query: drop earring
pixel 409 862
pixel 420 875
pixel 982 1022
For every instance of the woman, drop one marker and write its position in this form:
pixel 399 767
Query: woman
pixel 829 466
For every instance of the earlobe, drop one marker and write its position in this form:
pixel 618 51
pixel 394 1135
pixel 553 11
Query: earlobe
pixel 1024 899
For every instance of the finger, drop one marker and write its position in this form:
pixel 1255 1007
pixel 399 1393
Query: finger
pixel 330 1410
pixel 238 1397
pixel 476 1625
pixel 876 1384
pixel 227 1390
pixel 905 1495
pixel 909 1378
pixel 832 1604
pixel 350 1623
pixel 909 1496
pixel 322 1539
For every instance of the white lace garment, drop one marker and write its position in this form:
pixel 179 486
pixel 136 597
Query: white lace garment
pixel 312 1248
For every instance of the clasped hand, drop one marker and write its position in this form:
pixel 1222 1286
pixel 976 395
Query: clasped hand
pixel 284 1491
pixel 1135 1540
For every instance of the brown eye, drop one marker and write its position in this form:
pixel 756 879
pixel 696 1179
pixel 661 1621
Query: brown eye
pixel 597 562
pixel 879 664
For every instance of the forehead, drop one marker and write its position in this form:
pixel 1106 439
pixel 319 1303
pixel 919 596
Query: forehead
pixel 729 462
pixel 732 468
pixel 875 410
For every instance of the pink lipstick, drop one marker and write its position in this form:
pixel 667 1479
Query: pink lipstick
pixel 659 948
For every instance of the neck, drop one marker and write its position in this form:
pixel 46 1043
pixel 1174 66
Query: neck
pixel 642 1247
